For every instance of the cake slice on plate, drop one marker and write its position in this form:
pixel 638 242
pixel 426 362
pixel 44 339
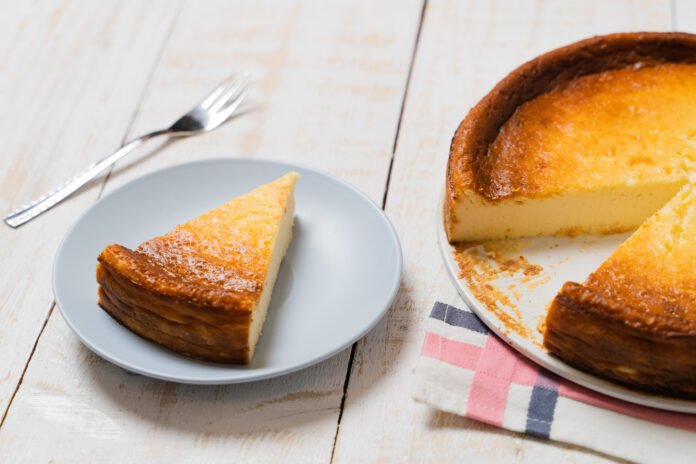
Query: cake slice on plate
pixel 203 289
pixel 634 319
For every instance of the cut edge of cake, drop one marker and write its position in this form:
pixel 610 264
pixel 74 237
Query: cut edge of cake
pixel 470 189
pixel 624 208
pixel 628 322
pixel 281 246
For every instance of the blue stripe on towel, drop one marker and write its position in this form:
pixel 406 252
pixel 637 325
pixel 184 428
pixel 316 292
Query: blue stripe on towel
pixel 542 406
pixel 458 317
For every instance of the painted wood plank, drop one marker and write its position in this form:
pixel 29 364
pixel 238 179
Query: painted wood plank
pixel 465 48
pixel 333 77
pixel 70 81
pixel 684 15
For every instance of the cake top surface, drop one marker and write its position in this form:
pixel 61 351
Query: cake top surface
pixel 626 126
pixel 219 259
pixel 605 111
pixel 617 127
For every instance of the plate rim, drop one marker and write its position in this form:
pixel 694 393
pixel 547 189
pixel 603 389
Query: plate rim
pixel 539 356
pixel 246 373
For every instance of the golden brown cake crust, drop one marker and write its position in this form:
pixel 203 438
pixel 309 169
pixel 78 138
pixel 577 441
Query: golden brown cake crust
pixel 663 305
pixel 597 333
pixel 469 166
pixel 184 283
pixel 195 331
pixel 199 321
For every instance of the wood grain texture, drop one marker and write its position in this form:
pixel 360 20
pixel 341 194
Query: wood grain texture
pixel 331 79
pixel 333 75
pixel 465 48
pixel 684 15
pixel 70 79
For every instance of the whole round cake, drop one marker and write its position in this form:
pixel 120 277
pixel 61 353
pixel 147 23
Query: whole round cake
pixel 596 137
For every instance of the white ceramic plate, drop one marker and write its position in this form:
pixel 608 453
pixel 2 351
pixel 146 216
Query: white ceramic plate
pixel 562 259
pixel 338 278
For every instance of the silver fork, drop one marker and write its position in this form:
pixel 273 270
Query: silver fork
pixel 210 113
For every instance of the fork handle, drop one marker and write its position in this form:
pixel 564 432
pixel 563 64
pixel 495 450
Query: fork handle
pixel 42 204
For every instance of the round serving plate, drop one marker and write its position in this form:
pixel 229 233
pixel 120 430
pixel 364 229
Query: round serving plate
pixel 341 242
pixel 559 259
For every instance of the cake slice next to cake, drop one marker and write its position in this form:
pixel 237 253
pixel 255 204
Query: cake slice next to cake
pixel 203 289
pixel 634 319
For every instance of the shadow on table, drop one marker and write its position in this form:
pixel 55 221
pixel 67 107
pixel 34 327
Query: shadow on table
pixel 313 394
pixel 288 402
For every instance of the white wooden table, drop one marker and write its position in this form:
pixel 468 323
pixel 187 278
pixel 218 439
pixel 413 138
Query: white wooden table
pixel 370 91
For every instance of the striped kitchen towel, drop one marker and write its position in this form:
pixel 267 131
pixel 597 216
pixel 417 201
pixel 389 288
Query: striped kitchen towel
pixel 465 369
